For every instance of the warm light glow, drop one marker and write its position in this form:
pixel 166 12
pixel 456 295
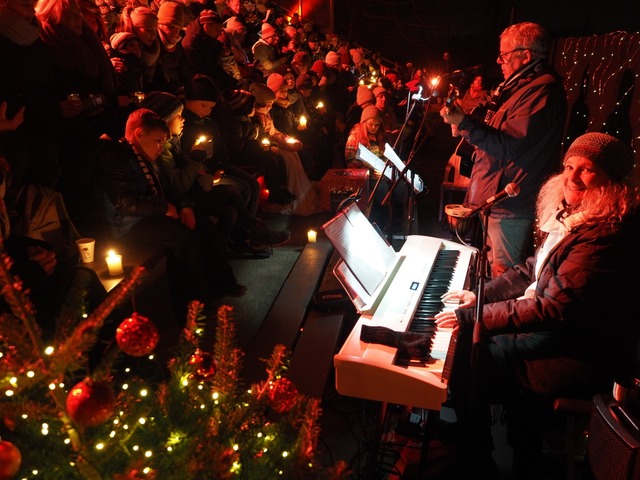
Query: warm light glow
pixel 201 139
pixel 266 141
pixel 303 121
pixel 14 381
pixel 100 446
pixel 48 350
pixel 144 392
pixel 435 81
pixel 320 105
pixel 291 140
pixel 9 393
pixel 114 263
pixel 312 236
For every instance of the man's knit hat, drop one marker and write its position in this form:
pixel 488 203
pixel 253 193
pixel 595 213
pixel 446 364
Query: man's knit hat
pixel 267 31
pixel 209 16
pixel 364 95
pixel 369 112
pixel 380 91
pixel 233 25
pixel 165 105
pixel 143 17
pixel 239 102
pixel 262 93
pixel 275 82
pixel 610 154
pixel 201 87
pixel 171 13
pixel 119 40
pixel 332 59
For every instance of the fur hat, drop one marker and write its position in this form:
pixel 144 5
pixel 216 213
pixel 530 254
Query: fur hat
pixel 209 16
pixel 120 40
pixel 165 105
pixel 239 102
pixel 304 82
pixel 267 31
pixel 201 87
pixel 262 93
pixel 275 82
pixel 143 17
pixel 171 13
pixel 610 154
pixel 369 112
pixel 364 95
pixel 332 59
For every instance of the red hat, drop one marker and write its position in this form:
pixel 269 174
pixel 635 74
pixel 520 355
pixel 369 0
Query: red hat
pixel 209 16
pixel 319 67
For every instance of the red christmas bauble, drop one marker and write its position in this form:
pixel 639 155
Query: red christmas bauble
pixel 203 365
pixel 10 460
pixel 282 395
pixel 91 403
pixel 137 336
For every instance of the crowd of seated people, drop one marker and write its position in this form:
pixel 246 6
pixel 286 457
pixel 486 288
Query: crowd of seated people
pixel 242 91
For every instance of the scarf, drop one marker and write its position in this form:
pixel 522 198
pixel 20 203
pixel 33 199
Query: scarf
pixel 17 29
pixel 151 173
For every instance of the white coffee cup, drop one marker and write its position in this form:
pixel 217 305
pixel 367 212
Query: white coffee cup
pixel 86 247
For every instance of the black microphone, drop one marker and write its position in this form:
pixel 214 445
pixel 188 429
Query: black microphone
pixel 511 190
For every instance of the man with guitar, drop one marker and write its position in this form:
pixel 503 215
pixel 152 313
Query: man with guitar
pixel 518 141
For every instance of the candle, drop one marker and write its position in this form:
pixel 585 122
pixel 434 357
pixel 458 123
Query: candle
pixel 312 236
pixel 114 263
pixel 291 140
pixel 303 121
pixel 201 139
pixel 320 105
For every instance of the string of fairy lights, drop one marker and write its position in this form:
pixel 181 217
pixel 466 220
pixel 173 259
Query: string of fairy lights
pixel 604 69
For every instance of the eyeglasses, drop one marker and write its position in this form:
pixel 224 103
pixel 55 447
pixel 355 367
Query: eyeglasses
pixel 502 56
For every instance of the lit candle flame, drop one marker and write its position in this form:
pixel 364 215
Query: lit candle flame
pixel 265 141
pixel 320 105
pixel 291 140
pixel 201 139
pixel 303 121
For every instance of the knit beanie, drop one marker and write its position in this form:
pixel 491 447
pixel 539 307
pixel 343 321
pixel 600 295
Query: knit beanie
pixel 319 67
pixel 379 91
pixel 201 87
pixel 356 56
pixel 301 58
pixel 171 13
pixel 262 93
pixel 119 40
pixel 267 31
pixel 332 59
pixel 209 16
pixel 369 112
pixel 364 95
pixel 239 102
pixel 165 105
pixel 275 82
pixel 304 82
pixel 610 154
pixel 143 17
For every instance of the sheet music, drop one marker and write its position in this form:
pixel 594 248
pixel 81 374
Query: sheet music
pixel 418 184
pixel 375 162
pixel 369 257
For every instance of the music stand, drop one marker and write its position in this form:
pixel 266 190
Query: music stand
pixel 397 171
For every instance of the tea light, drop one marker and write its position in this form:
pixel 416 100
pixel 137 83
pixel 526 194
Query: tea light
pixel 291 140
pixel 114 263
pixel 303 121
pixel 320 105
pixel 312 236
pixel 266 142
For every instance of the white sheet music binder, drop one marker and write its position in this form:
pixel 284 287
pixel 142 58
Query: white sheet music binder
pixel 375 162
pixel 367 260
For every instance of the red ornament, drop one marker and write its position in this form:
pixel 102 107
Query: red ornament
pixel 10 460
pixel 282 395
pixel 90 403
pixel 137 336
pixel 203 364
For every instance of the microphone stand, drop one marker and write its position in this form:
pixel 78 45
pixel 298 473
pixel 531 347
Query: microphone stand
pixel 478 323
pixel 387 164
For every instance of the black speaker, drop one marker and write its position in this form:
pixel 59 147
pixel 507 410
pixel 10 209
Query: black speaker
pixel 613 445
